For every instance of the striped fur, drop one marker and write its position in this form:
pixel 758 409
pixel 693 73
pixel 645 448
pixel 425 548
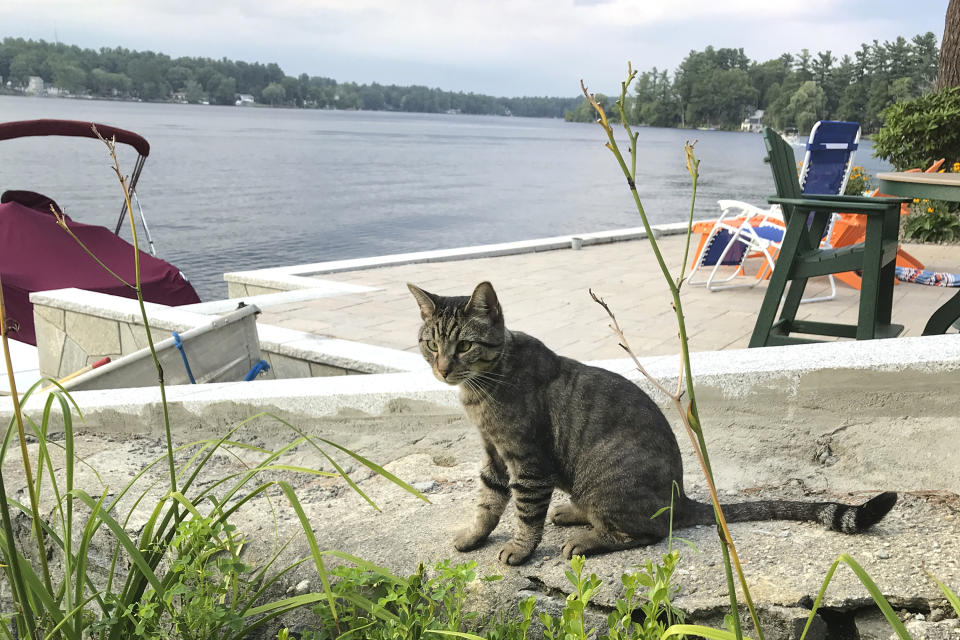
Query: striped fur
pixel 549 422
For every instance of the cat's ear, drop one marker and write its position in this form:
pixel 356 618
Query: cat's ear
pixel 426 301
pixel 484 300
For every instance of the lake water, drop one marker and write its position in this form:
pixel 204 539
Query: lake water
pixel 229 189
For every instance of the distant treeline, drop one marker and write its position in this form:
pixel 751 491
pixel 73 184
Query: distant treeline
pixel 144 75
pixel 720 87
pixel 711 88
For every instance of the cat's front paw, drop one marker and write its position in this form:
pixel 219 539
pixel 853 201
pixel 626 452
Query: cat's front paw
pixel 468 540
pixel 514 553
pixel 573 548
pixel 586 544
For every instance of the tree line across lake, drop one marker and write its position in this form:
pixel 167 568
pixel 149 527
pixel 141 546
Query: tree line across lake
pixel 145 75
pixel 714 87
pixel 720 87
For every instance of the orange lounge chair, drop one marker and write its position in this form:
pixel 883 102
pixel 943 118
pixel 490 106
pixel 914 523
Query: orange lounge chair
pixel 850 229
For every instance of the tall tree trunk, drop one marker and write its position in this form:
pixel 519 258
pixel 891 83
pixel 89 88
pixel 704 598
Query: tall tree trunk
pixel 948 73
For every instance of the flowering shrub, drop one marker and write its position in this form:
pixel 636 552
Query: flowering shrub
pixel 858 182
pixel 933 220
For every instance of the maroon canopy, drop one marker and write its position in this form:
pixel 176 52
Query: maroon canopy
pixel 37 255
pixel 27 128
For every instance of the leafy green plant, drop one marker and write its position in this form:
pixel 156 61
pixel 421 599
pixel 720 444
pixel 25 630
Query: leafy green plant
pixel 374 603
pixel 917 132
pixel 572 623
pixel 932 221
pixel 181 576
pixel 659 614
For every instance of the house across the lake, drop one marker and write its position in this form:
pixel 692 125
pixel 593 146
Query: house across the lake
pixel 753 124
pixel 35 86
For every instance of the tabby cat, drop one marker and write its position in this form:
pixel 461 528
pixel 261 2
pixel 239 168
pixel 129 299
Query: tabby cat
pixel 549 422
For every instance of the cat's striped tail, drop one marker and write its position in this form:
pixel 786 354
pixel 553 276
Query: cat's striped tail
pixel 833 515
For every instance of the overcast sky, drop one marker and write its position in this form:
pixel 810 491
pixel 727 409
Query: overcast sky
pixel 523 47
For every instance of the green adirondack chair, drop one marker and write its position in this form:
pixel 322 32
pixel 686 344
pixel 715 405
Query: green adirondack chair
pixel 801 257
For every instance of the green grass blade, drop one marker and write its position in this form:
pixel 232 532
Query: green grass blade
pixel 225 515
pixel 121 536
pixel 370 607
pixel 950 595
pixel 36 586
pixel 71 616
pixel 69 472
pixel 678 630
pixel 293 602
pixel 15 570
pixel 367 566
pixel 353 485
pixel 312 541
pixel 188 505
pixel 347 634
pixel 456 634
pixel 81 566
pixel 288 604
pixel 367 463
pixel 259 586
pixel 872 588
pixel 6 619
pixel 306 470
pixel 57 541
pixel 377 469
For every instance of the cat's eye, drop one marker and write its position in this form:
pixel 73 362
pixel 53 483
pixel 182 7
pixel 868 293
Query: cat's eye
pixel 432 345
pixel 463 346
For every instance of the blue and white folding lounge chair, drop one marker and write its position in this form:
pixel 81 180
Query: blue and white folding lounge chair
pixel 828 160
pixel 741 232
pixel 755 232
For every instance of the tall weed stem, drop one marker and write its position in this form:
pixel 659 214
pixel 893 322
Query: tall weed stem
pixel 25 457
pixel 138 287
pixel 689 414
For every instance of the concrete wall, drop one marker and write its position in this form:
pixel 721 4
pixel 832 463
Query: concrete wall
pixel 885 410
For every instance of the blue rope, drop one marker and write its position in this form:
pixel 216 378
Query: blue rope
pixel 179 344
pixel 255 371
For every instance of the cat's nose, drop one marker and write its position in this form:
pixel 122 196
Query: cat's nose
pixel 444 367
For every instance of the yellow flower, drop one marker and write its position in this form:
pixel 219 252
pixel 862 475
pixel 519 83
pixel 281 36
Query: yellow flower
pixel 929 209
pixel 956 167
pixel 916 200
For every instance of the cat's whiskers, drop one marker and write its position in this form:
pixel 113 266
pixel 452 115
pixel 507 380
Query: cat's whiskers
pixel 491 379
pixel 474 385
pixel 490 373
